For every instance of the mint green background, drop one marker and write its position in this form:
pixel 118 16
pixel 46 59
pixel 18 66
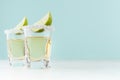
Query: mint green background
pixel 85 29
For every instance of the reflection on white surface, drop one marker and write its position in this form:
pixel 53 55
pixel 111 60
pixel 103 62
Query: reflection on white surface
pixel 64 70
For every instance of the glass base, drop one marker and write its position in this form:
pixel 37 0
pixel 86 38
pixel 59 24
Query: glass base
pixel 16 62
pixel 42 64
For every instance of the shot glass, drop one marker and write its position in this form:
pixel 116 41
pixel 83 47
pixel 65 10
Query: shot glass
pixel 15 47
pixel 38 46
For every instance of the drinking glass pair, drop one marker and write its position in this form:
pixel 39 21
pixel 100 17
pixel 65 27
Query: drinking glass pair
pixel 29 47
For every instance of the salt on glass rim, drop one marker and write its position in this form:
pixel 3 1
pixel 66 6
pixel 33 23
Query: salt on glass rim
pixel 47 28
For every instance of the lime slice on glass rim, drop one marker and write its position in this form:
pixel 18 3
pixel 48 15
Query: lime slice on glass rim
pixel 22 24
pixel 46 20
pixel 19 28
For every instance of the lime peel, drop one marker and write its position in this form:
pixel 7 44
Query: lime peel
pixel 18 30
pixel 22 24
pixel 46 20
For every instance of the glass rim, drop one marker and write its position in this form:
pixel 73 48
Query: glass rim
pixel 12 31
pixel 47 28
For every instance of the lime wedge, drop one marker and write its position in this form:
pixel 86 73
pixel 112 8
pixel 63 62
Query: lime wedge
pixel 19 28
pixel 46 20
pixel 37 30
pixel 22 24
pixel 18 32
